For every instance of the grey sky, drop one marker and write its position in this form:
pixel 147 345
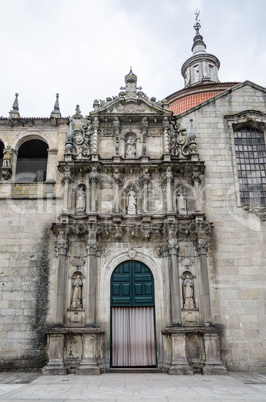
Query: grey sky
pixel 83 48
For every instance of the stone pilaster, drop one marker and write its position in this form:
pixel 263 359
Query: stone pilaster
pixel 166 127
pixel 62 248
pixel 116 131
pixel 94 140
pixel 206 298
pixel 169 190
pixel 174 287
pixel 93 189
pixel 117 183
pixel 90 307
pixel 66 181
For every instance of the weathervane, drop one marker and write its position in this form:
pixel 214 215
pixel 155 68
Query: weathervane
pixel 197 26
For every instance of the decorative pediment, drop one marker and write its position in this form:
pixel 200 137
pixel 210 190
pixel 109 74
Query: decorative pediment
pixel 130 100
pixel 132 105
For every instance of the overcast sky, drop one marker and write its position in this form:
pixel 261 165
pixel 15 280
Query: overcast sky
pixel 84 48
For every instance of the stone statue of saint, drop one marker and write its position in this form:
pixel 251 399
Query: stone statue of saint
pixel 7 159
pixel 131 201
pixel 77 293
pixel 131 146
pixel 188 293
pixel 80 199
pixel 182 200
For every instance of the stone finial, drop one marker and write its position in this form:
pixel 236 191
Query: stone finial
pixel 130 89
pixel 15 108
pixel 56 112
pixel 77 114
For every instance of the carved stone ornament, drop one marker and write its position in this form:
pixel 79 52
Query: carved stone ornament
pixel 260 212
pixel 132 253
pixel 81 142
pixel 181 145
pixel 186 262
pixel 78 262
pixel 62 245
pixel 7 167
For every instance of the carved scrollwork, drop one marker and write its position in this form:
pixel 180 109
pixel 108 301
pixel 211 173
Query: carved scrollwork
pixel 182 146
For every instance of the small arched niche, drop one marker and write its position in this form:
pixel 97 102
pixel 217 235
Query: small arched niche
pixel 76 296
pixel 80 201
pixel 32 162
pixel 130 145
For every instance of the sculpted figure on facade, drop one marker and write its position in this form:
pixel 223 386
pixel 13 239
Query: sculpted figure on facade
pixel 131 201
pixel 131 146
pixel 81 199
pixel 188 292
pixel 77 293
pixel 181 199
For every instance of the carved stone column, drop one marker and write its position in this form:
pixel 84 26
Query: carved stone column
pixel 169 194
pixel 145 181
pixel 117 183
pixel 93 188
pixel 196 181
pixel 116 130
pixel 166 127
pixel 62 248
pixel 145 125
pixel 174 286
pixel 67 180
pixel 90 308
pixel 94 140
pixel 206 299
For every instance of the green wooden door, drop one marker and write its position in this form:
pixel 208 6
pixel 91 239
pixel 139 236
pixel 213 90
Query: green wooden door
pixel 132 285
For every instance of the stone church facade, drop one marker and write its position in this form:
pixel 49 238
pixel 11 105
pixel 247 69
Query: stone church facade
pixel 134 236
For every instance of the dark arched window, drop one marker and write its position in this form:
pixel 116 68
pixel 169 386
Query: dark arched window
pixel 32 162
pixel 1 157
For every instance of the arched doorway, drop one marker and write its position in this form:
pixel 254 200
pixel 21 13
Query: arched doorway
pixel 132 316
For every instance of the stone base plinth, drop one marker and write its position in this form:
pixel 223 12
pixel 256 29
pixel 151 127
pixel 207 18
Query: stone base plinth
pixel 75 350
pixel 52 369
pixel 189 350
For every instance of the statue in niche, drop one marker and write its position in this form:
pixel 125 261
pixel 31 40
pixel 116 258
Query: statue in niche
pixel 188 292
pixel 181 200
pixel 131 146
pixel 77 293
pixel 131 201
pixel 80 199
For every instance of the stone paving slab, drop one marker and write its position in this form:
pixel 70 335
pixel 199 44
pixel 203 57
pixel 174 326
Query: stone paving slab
pixel 134 387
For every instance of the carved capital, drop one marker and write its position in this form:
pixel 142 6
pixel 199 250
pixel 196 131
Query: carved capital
pixel 202 245
pixel 62 245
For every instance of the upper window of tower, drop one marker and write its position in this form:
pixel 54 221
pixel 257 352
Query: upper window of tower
pixel 196 73
pixel 211 72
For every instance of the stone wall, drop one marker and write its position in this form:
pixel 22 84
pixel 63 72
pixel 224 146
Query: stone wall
pixel 237 253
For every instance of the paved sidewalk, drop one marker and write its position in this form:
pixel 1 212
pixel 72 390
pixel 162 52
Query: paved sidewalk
pixel 132 387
